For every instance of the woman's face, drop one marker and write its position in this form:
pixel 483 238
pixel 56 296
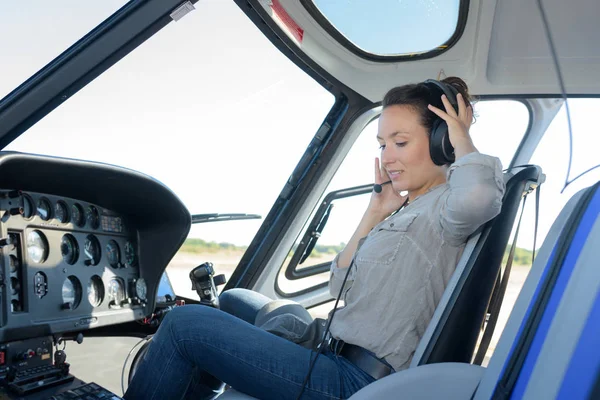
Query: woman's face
pixel 405 151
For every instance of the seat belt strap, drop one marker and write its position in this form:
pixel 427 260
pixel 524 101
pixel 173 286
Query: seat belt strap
pixel 499 290
pixel 537 214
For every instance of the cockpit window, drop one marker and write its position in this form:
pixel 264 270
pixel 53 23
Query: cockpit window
pixel 34 33
pixel 222 134
pixel 392 27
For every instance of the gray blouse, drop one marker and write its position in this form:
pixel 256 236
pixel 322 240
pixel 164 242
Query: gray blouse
pixel 401 268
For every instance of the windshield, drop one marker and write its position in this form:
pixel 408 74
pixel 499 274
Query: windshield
pixel 35 32
pixel 214 120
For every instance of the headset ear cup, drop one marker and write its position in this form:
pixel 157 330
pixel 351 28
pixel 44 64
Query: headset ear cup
pixel 447 148
pixel 436 142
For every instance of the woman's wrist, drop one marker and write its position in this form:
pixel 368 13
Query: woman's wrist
pixel 463 146
pixel 373 217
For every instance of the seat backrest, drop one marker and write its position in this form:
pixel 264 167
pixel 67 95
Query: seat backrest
pixel 454 329
pixel 550 347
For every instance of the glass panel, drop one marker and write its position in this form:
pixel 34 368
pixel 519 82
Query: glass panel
pixel 357 169
pixel 393 27
pixel 499 128
pixel 552 156
pixel 495 118
pixel 182 109
pixel 35 32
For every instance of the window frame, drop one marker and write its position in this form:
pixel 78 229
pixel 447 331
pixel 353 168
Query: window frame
pixel 461 23
pixel 292 272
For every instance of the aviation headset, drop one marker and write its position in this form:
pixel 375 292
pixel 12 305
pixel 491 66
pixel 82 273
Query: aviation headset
pixel 440 148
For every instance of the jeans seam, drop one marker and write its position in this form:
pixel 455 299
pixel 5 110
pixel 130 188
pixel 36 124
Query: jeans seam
pixel 162 375
pixel 172 336
pixel 264 370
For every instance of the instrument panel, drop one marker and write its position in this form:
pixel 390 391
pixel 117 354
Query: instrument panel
pixel 83 245
pixel 66 260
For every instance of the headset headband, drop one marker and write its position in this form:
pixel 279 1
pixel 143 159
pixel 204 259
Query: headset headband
pixel 442 88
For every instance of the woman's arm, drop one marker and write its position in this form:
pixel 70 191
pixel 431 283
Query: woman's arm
pixel 475 196
pixel 380 207
pixel 476 182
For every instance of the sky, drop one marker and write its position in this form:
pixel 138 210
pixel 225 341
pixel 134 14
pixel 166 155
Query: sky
pixel 398 31
pixel 209 107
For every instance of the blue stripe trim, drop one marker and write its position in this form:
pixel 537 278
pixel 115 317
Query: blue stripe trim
pixel 580 377
pixel 579 239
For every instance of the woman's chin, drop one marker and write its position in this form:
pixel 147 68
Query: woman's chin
pixel 399 186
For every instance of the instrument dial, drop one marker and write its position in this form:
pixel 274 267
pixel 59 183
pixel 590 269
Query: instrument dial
pixel 92 217
pixel 44 209
pixel 61 212
pixel 69 249
pixel 113 253
pixel 95 291
pixel 27 207
pixel 116 291
pixel 129 254
pixel 37 247
pixel 141 290
pixel 71 293
pixel 92 250
pixel 77 215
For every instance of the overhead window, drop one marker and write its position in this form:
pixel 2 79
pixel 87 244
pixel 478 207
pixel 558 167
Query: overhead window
pixel 392 27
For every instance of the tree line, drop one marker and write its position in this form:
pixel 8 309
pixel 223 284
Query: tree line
pixel 197 246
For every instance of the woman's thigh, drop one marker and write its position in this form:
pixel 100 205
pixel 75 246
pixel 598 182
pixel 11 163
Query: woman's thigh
pixel 243 303
pixel 247 358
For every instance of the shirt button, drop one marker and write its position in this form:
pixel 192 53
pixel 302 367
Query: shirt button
pixel 392 225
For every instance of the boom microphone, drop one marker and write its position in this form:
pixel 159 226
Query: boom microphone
pixel 379 187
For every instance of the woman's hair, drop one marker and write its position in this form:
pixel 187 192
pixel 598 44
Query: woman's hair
pixel 418 95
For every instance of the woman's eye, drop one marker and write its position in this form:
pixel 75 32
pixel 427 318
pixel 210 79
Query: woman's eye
pixel 401 144
pixel 381 146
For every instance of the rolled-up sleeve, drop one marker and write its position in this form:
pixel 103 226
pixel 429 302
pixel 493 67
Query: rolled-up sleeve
pixel 476 189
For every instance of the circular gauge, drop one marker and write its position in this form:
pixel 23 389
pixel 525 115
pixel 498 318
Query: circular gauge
pixel 61 212
pixel 95 291
pixel 141 290
pixel 92 217
pixel 69 249
pixel 116 291
pixel 129 254
pixel 15 285
pixel 44 209
pixel 27 207
pixel 14 264
pixel 92 250
pixel 77 215
pixel 37 246
pixel 15 306
pixel 71 293
pixel 113 253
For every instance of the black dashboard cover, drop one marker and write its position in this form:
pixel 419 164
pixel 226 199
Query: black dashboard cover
pixel 159 223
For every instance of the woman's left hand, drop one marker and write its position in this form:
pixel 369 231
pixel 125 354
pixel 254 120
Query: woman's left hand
pixel 458 124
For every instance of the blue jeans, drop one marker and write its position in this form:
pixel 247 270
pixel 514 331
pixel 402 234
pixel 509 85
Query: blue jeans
pixel 195 342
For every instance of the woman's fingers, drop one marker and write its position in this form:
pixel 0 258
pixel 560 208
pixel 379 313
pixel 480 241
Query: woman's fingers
pixel 449 108
pixel 469 119
pixel 377 171
pixel 462 107
pixel 439 113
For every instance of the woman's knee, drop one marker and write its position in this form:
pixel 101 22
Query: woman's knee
pixel 229 299
pixel 242 303
pixel 187 315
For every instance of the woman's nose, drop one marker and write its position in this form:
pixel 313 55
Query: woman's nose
pixel 386 155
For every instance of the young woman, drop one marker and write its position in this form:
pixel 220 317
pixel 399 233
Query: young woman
pixel 396 267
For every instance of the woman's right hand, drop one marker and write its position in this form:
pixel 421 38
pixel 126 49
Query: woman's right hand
pixel 389 200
